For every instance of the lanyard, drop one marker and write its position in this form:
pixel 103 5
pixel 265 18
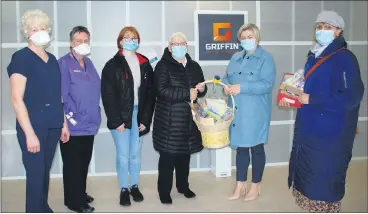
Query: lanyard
pixel 85 66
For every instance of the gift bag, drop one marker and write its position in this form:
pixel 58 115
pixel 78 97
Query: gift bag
pixel 291 88
pixel 292 85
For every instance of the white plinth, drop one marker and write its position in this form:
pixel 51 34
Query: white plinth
pixel 221 162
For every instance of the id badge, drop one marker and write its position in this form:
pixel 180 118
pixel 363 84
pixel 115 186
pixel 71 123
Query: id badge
pixel 69 117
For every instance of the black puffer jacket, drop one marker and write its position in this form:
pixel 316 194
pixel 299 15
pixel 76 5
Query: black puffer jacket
pixel 174 130
pixel 117 92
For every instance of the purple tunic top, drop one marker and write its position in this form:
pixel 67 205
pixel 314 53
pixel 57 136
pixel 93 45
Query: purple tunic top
pixel 81 88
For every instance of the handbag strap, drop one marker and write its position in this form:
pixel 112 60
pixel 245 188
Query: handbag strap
pixel 319 62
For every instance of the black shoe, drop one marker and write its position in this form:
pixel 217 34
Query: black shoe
pixel 166 199
pixel 124 197
pixel 89 199
pixel 187 193
pixel 136 194
pixel 83 209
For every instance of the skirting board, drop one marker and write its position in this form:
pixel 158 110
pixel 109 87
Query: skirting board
pixel 152 172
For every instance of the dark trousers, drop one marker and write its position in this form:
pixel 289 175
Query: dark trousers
pixel 76 155
pixel 37 166
pixel 166 165
pixel 258 163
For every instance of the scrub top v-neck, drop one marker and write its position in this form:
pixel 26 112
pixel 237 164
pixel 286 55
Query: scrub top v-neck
pixel 81 91
pixel 77 62
pixel 42 95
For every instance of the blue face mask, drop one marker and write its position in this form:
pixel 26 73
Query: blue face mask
pixel 178 52
pixel 130 46
pixel 325 37
pixel 248 44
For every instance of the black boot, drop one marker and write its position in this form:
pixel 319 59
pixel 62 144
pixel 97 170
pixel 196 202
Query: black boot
pixel 89 199
pixel 83 209
pixel 136 194
pixel 165 199
pixel 124 197
pixel 187 193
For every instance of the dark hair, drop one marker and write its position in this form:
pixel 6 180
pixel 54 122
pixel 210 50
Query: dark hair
pixel 78 29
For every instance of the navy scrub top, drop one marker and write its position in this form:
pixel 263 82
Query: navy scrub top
pixel 42 95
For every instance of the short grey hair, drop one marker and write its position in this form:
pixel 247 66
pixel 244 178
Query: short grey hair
pixel 254 28
pixel 35 17
pixel 78 29
pixel 178 34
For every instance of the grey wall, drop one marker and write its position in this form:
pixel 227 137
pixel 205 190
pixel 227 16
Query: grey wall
pixel 286 32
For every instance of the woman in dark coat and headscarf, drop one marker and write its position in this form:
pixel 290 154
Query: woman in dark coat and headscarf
pixel 178 80
pixel 326 124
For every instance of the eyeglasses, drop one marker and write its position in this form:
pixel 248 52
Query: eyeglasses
pixel 178 44
pixel 324 26
pixel 128 39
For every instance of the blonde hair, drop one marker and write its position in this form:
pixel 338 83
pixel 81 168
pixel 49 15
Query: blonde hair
pixel 251 27
pixel 179 35
pixel 35 17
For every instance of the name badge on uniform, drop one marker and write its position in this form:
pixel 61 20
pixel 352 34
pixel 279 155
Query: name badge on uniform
pixel 76 71
pixel 70 118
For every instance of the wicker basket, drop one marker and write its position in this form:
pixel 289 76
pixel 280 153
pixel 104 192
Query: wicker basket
pixel 215 136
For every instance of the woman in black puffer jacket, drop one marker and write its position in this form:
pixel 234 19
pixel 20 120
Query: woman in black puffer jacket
pixel 178 79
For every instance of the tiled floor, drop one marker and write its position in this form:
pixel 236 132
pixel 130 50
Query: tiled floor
pixel 211 193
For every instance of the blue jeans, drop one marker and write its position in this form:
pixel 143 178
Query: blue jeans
pixel 243 160
pixel 128 153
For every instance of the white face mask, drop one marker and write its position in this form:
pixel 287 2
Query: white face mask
pixel 40 38
pixel 82 49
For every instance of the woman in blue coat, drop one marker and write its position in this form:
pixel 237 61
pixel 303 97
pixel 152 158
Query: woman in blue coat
pixel 326 123
pixel 251 75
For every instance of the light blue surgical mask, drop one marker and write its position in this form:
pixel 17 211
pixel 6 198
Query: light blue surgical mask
pixel 130 46
pixel 325 37
pixel 248 44
pixel 178 52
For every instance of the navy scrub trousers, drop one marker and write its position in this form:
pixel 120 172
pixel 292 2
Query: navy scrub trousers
pixel 42 98
pixel 38 167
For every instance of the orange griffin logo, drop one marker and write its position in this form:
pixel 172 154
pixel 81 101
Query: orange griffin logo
pixel 216 30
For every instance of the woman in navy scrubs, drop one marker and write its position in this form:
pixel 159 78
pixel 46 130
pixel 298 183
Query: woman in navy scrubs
pixel 35 82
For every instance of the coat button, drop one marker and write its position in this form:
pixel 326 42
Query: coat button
pixel 236 107
pixel 47 105
pixel 233 125
pixel 239 72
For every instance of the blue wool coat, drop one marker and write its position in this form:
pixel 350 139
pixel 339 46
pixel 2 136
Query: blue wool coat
pixel 325 128
pixel 256 75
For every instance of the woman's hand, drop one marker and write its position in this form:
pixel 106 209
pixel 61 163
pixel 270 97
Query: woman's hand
pixel 234 89
pixel 33 144
pixel 65 134
pixel 142 127
pixel 200 86
pixel 284 103
pixel 193 94
pixel 121 128
pixel 304 98
pixel 227 91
